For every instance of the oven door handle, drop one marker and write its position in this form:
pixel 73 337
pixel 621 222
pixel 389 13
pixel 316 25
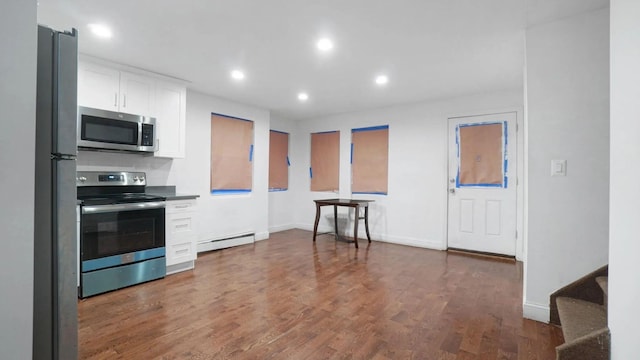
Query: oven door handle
pixel 98 209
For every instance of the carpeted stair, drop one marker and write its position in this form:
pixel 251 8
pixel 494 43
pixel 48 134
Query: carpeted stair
pixel 580 308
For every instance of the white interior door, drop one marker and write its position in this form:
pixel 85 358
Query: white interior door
pixel 482 183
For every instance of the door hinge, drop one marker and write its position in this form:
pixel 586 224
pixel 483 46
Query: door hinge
pixel 517 127
pixel 516 234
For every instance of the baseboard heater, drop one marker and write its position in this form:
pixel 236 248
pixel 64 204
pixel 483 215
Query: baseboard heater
pixel 209 245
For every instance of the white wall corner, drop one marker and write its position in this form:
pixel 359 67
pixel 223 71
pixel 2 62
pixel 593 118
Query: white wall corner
pixel 262 235
pixel 537 312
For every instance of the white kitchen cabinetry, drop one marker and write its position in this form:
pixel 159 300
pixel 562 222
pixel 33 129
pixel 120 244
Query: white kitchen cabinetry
pixel 180 235
pixel 170 110
pixel 109 89
pixel 98 87
pixel 136 94
pixel 139 93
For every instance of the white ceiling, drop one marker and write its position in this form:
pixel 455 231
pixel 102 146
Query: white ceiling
pixel 429 48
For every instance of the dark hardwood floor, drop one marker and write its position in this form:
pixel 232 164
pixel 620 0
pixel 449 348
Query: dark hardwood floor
pixel 288 298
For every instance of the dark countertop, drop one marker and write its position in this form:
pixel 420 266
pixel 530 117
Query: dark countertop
pixel 168 192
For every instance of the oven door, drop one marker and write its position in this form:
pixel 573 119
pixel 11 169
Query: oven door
pixel 113 235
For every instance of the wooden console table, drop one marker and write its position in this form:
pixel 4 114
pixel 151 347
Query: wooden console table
pixel 352 203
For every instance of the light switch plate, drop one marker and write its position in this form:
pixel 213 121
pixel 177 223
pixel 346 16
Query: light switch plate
pixel 558 167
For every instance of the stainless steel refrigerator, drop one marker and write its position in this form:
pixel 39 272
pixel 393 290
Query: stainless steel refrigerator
pixel 55 316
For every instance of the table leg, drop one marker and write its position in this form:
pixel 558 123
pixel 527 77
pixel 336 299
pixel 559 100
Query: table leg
pixel 335 220
pixel 366 222
pixel 355 226
pixel 315 225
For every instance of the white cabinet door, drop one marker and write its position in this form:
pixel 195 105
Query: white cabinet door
pixel 136 94
pixel 170 113
pixel 98 87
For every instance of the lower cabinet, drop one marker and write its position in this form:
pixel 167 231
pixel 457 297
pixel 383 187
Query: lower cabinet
pixel 180 235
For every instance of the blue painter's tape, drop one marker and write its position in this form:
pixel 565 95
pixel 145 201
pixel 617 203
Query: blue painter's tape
pixel 480 124
pixel 506 157
pixel 369 193
pixel 231 117
pixel 505 129
pixel 310 173
pixel 351 161
pixel 481 185
pixel 279 132
pixel 371 128
pixel 288 162
pixel 230 191
pixel 278 189
pixel 458 156
pixel 251 153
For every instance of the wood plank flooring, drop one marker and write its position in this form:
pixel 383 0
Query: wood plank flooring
pixel 288 298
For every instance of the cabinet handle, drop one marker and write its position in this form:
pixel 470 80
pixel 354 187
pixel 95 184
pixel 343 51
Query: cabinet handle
pixel 182 226
pixel 115 100
pixel 182 206
pixel 182 251
pixel 124 101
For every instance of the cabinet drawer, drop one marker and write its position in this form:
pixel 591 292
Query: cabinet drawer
pixel 179 253
pixel 180 206
pixel 179 224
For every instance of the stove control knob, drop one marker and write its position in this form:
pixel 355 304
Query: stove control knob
pixel 82 179
pixel 141 179
pixel 136 178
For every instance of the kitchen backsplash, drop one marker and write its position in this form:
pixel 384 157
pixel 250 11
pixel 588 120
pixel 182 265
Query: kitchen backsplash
pixel 158 170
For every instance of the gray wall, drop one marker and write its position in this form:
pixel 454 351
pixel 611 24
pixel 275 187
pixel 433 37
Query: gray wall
pixel 624 247
pixel 17 133
pixel 568 118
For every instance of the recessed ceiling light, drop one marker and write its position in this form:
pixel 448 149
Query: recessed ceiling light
pixel 303 96
pixel 324 44
pixel 382 79
pixel 100 30
pixel 237 74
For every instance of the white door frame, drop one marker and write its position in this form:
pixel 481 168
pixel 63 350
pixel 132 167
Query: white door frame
pixel 520 175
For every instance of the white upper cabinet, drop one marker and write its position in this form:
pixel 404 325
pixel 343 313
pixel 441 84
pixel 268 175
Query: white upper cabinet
pixel 139 93
pixel 170 112
pixel 136 94
pixel 109 89
pixel 98 87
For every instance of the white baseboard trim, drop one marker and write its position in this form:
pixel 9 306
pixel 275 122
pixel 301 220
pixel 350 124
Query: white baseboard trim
pixel 208 245
pixel 263 235
pixel 408 241
pixel 421 243
pixel 537 312
pixel 278 228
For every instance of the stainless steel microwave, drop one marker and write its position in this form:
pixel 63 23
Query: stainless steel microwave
pixel 111 131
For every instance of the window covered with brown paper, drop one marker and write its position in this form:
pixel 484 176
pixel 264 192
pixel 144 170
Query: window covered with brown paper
pixel 325 161
pixel 231 154
pixel 278 160
pixel 481 157
pixel 370 160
